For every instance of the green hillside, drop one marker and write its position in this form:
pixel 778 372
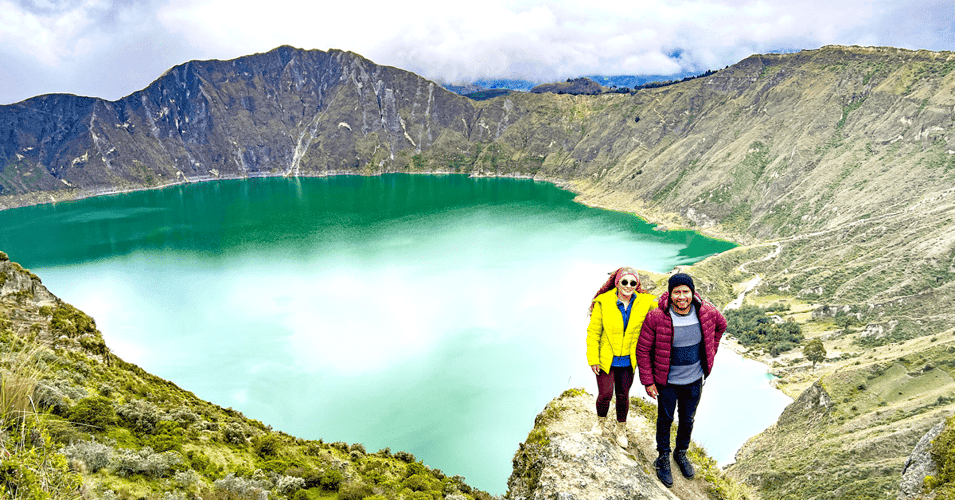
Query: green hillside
pixel 77 421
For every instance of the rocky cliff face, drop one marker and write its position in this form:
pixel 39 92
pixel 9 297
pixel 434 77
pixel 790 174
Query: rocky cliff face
pixel 562 459
pixel 919 465
pixel 287 112
pixel 30 311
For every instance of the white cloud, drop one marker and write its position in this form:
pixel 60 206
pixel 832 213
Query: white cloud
pixel 110 48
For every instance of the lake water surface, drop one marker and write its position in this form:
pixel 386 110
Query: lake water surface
pixel 431 314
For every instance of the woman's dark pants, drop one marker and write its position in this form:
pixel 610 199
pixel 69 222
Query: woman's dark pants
pixel 619 378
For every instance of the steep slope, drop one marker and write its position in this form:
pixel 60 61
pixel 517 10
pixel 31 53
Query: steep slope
pixel 76 421
pixel 282 113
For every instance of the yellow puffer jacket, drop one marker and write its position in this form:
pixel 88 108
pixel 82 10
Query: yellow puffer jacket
pixel 605 335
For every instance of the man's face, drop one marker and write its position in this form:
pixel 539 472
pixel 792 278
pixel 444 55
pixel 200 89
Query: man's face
pixel 681 297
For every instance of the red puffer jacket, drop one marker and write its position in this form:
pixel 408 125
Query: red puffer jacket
pixel 656 339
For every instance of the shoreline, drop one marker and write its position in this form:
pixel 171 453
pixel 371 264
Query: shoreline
pixel 661 221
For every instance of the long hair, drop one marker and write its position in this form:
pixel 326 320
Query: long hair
pixel 613 280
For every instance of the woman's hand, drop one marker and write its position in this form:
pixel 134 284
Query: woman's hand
pixel 595 369
pixel 652 391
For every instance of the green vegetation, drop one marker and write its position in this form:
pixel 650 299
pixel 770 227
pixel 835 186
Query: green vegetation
pixel 719 486
pixel 943 453
pixel 739 218
pixel 666 190
pixel 483 95
pixel 846 109
pixel 756 329
pixel 755 161
pixel 75 420
pixel 815 351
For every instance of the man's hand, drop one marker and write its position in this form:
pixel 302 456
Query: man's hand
pixel 595 369
pixel 652 391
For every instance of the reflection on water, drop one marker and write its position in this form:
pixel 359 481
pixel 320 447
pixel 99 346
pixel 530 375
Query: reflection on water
pixel 436 315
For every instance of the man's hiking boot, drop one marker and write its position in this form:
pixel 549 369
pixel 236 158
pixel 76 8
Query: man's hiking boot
pixel 662 464
pixel 686 467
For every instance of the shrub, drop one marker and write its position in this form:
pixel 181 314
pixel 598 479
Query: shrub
pixel 462 486
pixel 28 473
pixel 168 436
pixel 146 462
pixel 243 488
pixel 71 322
pixel 421 482
pixel 753 327
pixel 233 433
pixel 339 445
pixel 415 468
pixel 63 432
pixel 266 445
pixel 55 395
pixel 200 462
pixel 139 416
pixel 184 417
pixel 781 347
pixel 106 389
pixel 354 490
pixel 312 477
pixel 94 411
pixel 331 480
pixel 94 455
pixel 286 485
pixel 404 456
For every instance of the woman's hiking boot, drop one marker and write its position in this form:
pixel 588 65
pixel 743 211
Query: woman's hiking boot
pixel 621 433
pixel 662 464
pixel 601 428
pixel 679 456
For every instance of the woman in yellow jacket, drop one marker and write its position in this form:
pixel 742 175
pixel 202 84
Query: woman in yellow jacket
pixel 616 315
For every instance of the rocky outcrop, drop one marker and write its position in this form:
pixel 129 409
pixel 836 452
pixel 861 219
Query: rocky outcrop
pixel 919 465
pixel 562 460
pixel 29 310
pixel 19 284
pixel 813 407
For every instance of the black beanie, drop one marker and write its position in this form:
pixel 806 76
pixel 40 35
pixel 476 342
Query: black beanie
pixel 680 279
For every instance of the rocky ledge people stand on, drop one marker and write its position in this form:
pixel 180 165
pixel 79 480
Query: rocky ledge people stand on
pixel 675 352
pixel 616 315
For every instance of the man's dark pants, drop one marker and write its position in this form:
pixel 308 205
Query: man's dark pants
pixel 672 397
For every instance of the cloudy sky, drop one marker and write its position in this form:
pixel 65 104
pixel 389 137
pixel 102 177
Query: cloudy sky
pixel 111 48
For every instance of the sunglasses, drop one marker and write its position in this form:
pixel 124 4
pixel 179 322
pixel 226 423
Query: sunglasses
pixel 628 282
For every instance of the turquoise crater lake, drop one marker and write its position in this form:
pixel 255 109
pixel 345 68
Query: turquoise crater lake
pixel 432 314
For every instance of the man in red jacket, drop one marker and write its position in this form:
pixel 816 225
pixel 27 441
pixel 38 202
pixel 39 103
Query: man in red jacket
pixel 675 352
